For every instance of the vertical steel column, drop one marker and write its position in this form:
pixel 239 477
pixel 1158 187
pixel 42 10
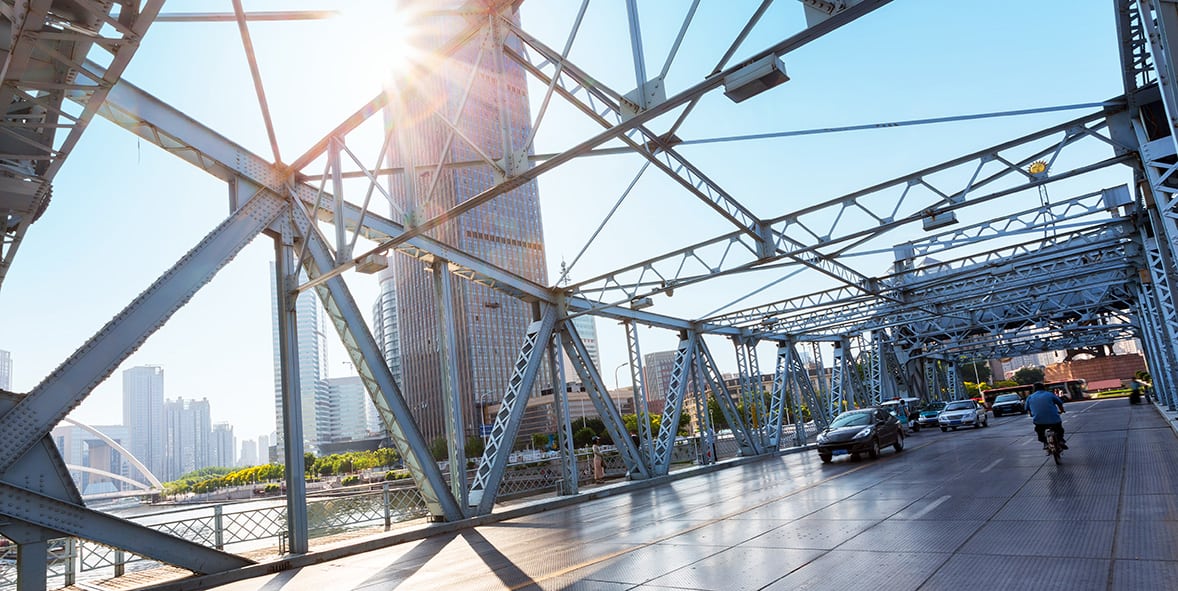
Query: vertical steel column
pixel 639 54
pixel 1151 337
pixel 451 395
pixel 32 564
pixel 931 379
pixel 574 347
pixel 837 402
pixel 641 410
pixel 777 397
pixel 337 188
pixel 564 428
pixel 1164 304
pixel 292 407
pixel 707 367
pixel 706 452
pixel 512 406
pixel 954 380
pixel 751 393
pixel 664 444
pixel 875 368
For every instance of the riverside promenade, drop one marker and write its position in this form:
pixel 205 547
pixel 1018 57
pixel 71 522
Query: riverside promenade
pixel 971 509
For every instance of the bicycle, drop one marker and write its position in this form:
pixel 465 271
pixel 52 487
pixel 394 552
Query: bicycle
pixel 1053 447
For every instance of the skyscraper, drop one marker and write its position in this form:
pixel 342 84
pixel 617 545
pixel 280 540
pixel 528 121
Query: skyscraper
pixel 586 326
pixel 143 414
pixel 249 453
pixel 349 408
pixel 489 326
pixel 222 445
pixel 5 370
pixel 186 438
pixel 386 330
pixel 311 332
pixel 657 369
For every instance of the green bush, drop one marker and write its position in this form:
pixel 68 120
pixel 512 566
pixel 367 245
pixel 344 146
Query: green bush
pixel 350 480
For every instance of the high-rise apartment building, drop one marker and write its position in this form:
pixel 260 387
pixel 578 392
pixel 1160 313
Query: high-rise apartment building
pixel 656 369
pixel 506 232
pixel 143 415
pixel 249 453
pixel 311 333
pixel 264 454
pixel 222 444
pixel 5 371
pixel 186 438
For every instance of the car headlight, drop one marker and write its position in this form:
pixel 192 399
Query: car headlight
pixel 864 432
pixel 822 437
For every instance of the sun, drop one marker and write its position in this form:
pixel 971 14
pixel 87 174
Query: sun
pixel 382 37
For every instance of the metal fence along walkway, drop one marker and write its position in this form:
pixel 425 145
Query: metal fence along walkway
pixel 973 509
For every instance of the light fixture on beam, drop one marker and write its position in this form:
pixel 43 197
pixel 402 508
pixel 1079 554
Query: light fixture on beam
pixel 373 263
pixel 755 78
pixel 939 220
pixel 640 303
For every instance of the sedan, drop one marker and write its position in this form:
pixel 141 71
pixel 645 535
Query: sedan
pixel 1008 404
pixel 928 413
pixel 961 413
pixel 860 431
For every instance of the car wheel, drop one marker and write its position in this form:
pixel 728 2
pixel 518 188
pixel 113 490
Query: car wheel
pixel 826 458
pixel 899 444
pixel 874 451
pixel 943 429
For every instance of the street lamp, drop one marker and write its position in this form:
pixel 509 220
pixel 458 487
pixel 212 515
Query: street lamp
pixel 618 384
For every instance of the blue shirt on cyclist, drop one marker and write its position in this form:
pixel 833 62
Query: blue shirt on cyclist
pixel 1044 407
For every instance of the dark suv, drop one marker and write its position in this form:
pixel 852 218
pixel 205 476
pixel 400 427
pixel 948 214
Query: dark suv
pixel 860 431
pixel 1008 404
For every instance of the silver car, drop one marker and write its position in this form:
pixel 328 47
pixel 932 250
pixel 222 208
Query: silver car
pixel 962 413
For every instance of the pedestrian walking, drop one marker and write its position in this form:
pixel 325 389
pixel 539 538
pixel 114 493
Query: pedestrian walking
pixel 598 462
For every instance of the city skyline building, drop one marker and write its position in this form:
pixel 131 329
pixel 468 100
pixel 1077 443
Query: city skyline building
pixel 223 444
pixel 311 334
pixel 386 330
pixel 489 326
pixel 5 370
pixel 249 453
pixel 187 437
pixel 143 414
pixel 657 368
pixel 350 408
pixel 586 327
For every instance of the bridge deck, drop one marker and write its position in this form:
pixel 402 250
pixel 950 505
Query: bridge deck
pixel 973 509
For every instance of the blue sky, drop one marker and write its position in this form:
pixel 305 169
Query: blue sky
pixel 123 211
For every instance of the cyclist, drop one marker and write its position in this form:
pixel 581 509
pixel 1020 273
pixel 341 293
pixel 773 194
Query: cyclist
pixel 1045 408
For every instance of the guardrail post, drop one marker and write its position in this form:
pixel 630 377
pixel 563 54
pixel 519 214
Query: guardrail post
pixel 71 548
pixel 120 562
pixel 218 527
pixel 388 514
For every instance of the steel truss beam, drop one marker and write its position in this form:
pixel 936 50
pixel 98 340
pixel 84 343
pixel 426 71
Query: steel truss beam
pixel 881 208
pixel 752 396
pixel 49 41
pixel 564 428
pixel 673 404
pixel 638 383
pixel 574 347
pixel 374 372
pixel 715 382
pixel 490 471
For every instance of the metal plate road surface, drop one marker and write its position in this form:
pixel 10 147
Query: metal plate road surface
pixel 971 509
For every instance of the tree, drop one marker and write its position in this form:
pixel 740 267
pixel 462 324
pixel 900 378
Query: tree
pixel 539 440
pixel 583 437
pixel 719 421
pixel 974 370
pixel 474 446
pixel 1028 375
pixel 439 449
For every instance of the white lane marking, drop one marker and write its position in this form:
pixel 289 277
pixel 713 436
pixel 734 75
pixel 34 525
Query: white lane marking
pixel 992 464
pixel 930 507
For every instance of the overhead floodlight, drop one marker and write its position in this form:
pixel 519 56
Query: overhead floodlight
pixel 939 220
pixel 755 78
pixel 373 263
pixel 640 303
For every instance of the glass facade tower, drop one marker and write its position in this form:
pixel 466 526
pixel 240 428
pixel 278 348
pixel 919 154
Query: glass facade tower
pixel 506 232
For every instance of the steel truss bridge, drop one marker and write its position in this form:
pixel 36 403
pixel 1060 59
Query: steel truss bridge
pixel 1086 264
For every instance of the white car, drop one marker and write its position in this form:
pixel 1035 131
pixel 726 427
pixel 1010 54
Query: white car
pixel 962 413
